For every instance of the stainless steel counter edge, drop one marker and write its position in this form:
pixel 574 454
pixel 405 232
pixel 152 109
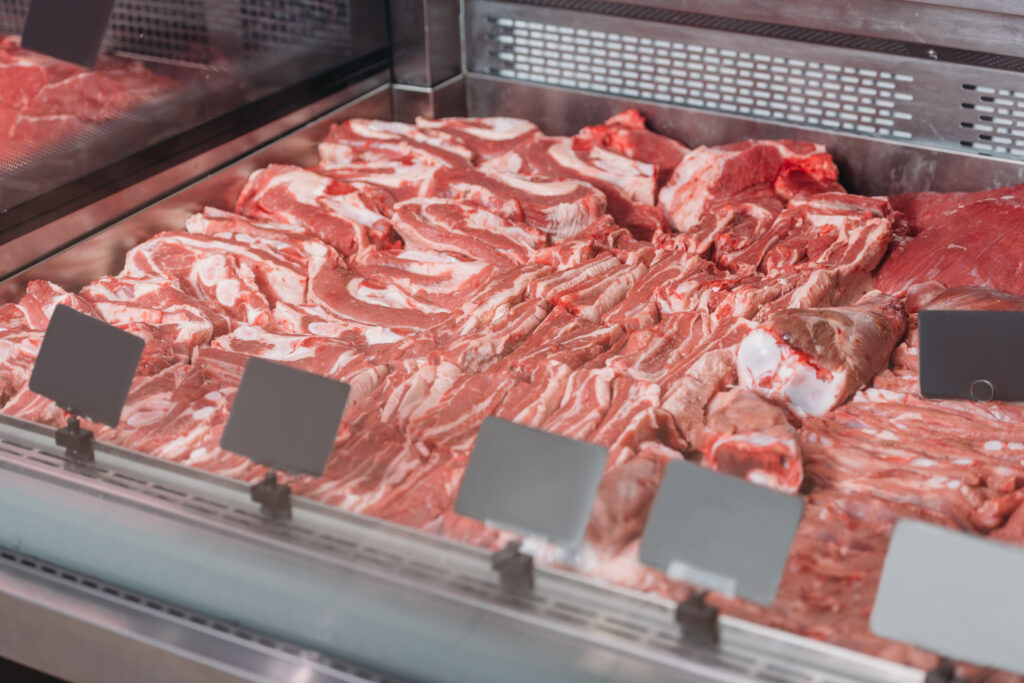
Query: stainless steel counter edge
pixel 387 598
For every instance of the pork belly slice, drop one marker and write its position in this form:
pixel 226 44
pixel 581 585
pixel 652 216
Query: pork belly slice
pixel 634 415
pixel 485 137
pixel 491 301
pixel 370 301
pixel 320 355
pixel 629 186
pixel 478 350
pixel 710 176
pixel 318 321
pixel 41 298
pixel 367 141
pixel 236 279
pixel 560 208
pixel 19 347
pixel 814 359
pixel 588 393
pixel 627 134
pixel 948 458
pixel 845 232
pixel 336 212
pixel 625 496
pixel 749 437
pixel 464 229
pixel 289 242
pixel 565 338
pixel 536 394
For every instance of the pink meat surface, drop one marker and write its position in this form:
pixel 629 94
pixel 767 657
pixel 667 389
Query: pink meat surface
pixel 958 239
pixel 43 99
pixel 604 287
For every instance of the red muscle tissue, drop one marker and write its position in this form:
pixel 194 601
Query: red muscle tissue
pixel 599 286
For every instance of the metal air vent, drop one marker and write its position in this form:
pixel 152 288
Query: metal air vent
pixel 993 120
pixel 755 84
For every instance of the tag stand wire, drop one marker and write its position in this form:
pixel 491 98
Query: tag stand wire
pixel 275 498
pixel 944 672
pixel 698 619
pixel 76 442
pixel 514 567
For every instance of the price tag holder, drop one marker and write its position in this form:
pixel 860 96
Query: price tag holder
pixel 531 482
pixel 720 532
pixel 953 593
pixel 71 30
pixel 975 355
pixel 286 419
pixel 86 366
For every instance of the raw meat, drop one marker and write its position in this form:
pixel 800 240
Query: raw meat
pixel 43 100
pixel 814 359
pixel 461 268
pixel 484 137
pixel 711 176
pixel 333 211
pixel 752 438
pixel 968 238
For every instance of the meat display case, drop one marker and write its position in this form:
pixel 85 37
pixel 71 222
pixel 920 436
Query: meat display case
pixel 166 572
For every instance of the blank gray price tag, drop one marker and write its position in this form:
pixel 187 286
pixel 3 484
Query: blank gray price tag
pixel 86 365
pixel 953 593
pixel 531 482
pixel 71 30
pixel 285 418
pixel 972 354
pixel 720 532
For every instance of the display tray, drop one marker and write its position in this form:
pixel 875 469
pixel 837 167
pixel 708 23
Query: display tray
pixel 103 254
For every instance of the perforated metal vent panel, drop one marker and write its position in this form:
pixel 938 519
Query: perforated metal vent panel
pixel 689 73
pixel 832 87
pixel 993 118
pixel 202 31
pixel 270 24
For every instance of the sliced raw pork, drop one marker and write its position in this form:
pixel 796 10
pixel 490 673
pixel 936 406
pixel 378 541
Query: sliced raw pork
pixel 749 437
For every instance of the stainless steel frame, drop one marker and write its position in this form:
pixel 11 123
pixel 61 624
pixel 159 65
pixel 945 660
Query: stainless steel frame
pixel 390 599
pixel 161 563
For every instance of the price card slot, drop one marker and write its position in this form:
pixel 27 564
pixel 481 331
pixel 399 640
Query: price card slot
pixel 86 366
pixel 953 593
pixel 71 30
pixel 721 533
pixel 533 483
pixel 286 419
pixel 975 355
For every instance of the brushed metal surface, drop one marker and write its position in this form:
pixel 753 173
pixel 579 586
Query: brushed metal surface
pixel 867 166
pixel 389 598
pixel 826 87
pixel 445 99
pixel 983 25
pixel 78 629
pixel 426 41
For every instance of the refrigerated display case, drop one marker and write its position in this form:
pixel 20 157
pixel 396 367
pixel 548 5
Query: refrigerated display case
pixel 161 571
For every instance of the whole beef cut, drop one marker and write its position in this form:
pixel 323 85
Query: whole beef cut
pixel 713 304
pixel 958 239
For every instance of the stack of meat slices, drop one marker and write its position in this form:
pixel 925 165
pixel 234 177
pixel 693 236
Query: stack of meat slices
pixel 612 286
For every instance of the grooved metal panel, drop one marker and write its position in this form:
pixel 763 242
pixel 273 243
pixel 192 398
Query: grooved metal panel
pixel 205 31
pixel 830 87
